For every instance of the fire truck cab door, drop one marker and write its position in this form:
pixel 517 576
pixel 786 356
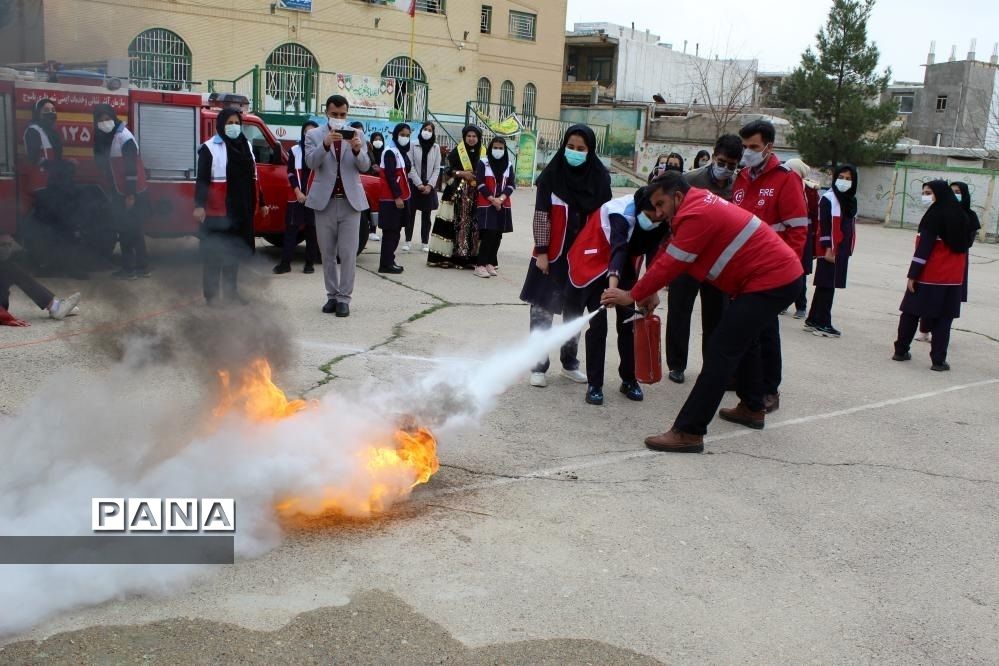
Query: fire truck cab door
pixel 8 153
pixel 273 174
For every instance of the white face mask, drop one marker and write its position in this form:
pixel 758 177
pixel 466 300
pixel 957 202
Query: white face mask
pixel 498 153
pixel 957 195
pixel 927 199
pixel 843 185
pixel 106 126
pixel 233 131
pixel 752 158
pixel 378 143
pixel 403 141
pixel 426 135
pixel 337 124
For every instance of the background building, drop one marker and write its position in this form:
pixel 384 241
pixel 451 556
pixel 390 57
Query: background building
pixel 507 52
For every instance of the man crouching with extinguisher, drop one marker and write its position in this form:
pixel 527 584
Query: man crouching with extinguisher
pixel 732 249
pixel 608 253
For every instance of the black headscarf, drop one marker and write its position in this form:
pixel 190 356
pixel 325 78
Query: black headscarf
pixel 975 223
pixel 240 174
pixel 426 147
pixel 847 200
pixel 55 138
pixel 474 152
pixel 698 156
pixel 305 130
pixel 945 217
pixel 499 166
pixel 376 153
pixel 102 140
pixel 404 150
pixel 584 188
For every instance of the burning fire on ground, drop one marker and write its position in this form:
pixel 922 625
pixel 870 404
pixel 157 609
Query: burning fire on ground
pixel 386 471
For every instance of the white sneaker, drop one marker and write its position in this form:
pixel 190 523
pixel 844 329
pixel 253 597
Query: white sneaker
pixel 63 307
pixel 480 271
pixel 539 380
pixel 426 248
pixel 374 237
pixel 576 375
pixel 491 270
pixel 405 247
pixel 75 311
pixel 923 337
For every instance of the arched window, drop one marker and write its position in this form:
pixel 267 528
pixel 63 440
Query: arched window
pixel 160 59
pixel 291 78
pixel 530 106
pixel 410 86
pixel 506 98
pixel 484 92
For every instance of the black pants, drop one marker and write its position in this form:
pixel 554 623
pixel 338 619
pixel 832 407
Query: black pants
pixel 131 236
pixel 425 224
pixel 596 341
pixel 489 245
pixel 12 275
pixel 298 216
pixel 542 319
pixel 822 301
pixel 801 302
pixel 220 256
pixel 735 345
pixel 770 354
pixel 939 328
pixel 680 305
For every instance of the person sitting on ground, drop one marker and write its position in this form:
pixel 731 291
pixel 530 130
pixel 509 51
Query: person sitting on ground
pixel 11 275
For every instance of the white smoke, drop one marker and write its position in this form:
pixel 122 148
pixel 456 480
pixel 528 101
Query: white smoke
pixel 113 440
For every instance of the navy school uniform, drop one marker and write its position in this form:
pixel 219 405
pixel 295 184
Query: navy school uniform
pixel 298 215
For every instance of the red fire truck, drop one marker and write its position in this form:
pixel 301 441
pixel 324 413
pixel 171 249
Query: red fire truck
pixel 168 126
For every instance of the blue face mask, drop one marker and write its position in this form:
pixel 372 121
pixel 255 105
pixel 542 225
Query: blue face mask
pixel 645 223
pixel 575 158
pixel 233 131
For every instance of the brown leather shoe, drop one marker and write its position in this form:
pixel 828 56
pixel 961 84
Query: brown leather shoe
pixel 771 403
pixel 744 416
pixel 675 441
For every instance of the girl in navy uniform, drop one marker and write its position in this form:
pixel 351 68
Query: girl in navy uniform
pixel 297 214
pixel 493 213
pixel 117 153
pixel 573 185
pixel 834 244
pixel 936 275
pixel 608 254
pixel 226 195
pixel 395 198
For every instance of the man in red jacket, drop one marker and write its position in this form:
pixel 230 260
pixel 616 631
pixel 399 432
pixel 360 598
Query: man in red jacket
pixel 775 194
pixel 732 249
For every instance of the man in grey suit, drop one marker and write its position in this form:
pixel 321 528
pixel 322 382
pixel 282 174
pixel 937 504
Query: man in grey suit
pixel 338 198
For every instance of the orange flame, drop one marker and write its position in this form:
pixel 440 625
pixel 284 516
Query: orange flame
pixel 384 475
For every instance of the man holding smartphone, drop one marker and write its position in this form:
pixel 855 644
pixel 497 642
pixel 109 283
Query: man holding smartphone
pixel 337 158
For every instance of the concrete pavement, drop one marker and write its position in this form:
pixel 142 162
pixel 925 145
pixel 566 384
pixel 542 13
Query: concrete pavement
pixel 859 526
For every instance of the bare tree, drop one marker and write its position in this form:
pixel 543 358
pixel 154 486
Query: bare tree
pixel 984 122
pixel 725 88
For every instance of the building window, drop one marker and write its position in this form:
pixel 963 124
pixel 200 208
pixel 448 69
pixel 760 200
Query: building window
pixel 530 106
pixel 410 86
pixel 600 69
pixel 506 98
pixel 486 20
pixel 941 102
pixel 484 92
pixel 160 59
pixel 431 6
pixel 905 103
pixel 523 26
pixel 291 77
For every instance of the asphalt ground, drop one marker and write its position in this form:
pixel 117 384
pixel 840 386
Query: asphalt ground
pixel 859 526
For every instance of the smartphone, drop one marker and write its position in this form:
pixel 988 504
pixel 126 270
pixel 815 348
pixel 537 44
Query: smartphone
pixel 348 133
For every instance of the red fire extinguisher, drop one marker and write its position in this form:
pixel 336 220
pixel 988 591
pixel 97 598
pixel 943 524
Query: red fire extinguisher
pixel 648 349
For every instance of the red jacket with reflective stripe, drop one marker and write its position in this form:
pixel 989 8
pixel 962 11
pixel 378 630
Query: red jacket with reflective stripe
pixel 719 242
pixel 775 195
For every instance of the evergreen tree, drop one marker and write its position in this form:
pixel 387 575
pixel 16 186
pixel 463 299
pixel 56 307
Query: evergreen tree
pixel 833 97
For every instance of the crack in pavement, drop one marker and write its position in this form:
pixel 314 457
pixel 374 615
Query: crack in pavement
pixel 897 468
pixel 568 476
pixel 987 337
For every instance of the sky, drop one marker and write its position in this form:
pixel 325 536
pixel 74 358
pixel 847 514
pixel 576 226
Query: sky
pixel 776 32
